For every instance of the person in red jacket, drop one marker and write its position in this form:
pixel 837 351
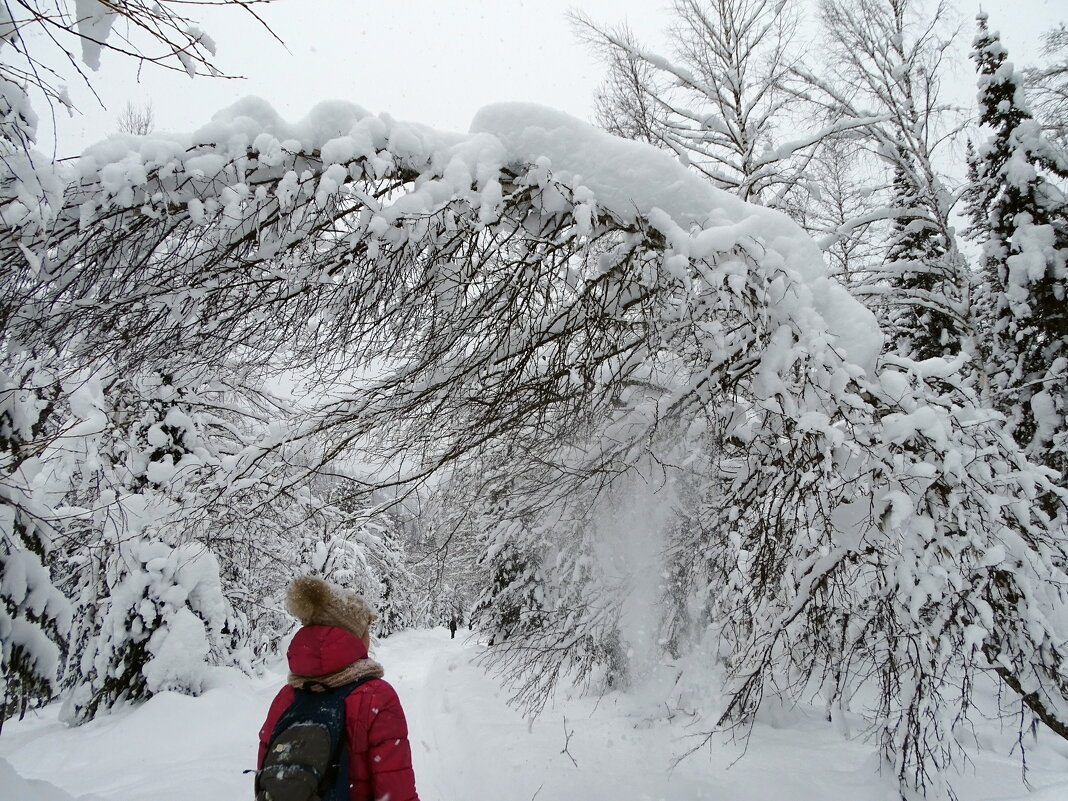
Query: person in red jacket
pixel 330 650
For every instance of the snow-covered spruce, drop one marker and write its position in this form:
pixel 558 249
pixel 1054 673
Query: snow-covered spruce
pixel 35 617
pixel 364 547
pixel 164 613
pixel 917 325
pixel 1020 214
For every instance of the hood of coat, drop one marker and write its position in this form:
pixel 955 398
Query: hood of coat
pixel 319 650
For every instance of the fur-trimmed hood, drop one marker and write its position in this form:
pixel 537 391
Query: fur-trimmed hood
pixel 315 602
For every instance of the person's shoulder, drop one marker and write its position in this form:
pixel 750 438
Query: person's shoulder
pixel 376 686
pixel 381 687
pixel 381 693
pixel 284 696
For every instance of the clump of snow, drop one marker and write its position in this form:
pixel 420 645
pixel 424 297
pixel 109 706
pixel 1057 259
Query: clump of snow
pixel 1034 247
pixel 179 652
pixel 94 22
pixel 252 121
pixel 629 178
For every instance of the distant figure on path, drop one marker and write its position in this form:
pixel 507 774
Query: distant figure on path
pixel 328 653
pixel 452 627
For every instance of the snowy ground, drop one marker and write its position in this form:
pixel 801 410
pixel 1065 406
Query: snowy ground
pixel 469 745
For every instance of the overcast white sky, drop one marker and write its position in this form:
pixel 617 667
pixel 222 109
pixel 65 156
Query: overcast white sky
pixel 434 61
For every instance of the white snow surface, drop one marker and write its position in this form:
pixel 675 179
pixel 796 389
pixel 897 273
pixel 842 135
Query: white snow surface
pixel 468 744
pixel 13 786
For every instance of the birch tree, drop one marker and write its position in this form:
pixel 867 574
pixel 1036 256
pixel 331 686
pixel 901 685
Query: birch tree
pixel 719 102
pixel 1047 86
pixel 887 63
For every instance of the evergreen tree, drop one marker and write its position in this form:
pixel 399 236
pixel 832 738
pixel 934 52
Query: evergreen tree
pixel 511 604
pixel 34 616
pixel 396 589
pixel 368 552
pixel 448 555
pixel 1022 217
pixel 917 324
pixel 163 618
pixel 156 464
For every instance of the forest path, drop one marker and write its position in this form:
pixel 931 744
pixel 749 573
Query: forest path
pixel 469 745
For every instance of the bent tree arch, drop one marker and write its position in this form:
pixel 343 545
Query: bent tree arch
pixel 580 314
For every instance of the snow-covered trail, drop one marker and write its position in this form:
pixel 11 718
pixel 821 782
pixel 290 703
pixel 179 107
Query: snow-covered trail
pixel 468 745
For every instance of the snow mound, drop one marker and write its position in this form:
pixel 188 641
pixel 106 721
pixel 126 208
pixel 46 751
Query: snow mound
pixel 14 787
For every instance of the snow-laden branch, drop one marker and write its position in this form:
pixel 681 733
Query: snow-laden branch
pixel 787 149
pixel 884 213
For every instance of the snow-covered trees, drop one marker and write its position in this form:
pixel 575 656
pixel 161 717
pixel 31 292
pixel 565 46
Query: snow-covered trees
pixel 886 63
pixel 721 103
pixel 391 586
pixel 851 520
pixel 35 617
pixel 740 78
pixel 123 468
pixel 918 326
pixel 1020 213
pixel 841 208
pixel 511 604
pixel 1047 86
pixel 159 619
pixel 39 34
pixel 652 389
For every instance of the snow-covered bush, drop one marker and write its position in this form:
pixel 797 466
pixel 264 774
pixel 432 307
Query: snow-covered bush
pixel 162 618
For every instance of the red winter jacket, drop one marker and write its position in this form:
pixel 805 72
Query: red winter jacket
pixel 380 759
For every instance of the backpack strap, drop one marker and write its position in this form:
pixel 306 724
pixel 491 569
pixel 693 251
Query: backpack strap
pixel 336 780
